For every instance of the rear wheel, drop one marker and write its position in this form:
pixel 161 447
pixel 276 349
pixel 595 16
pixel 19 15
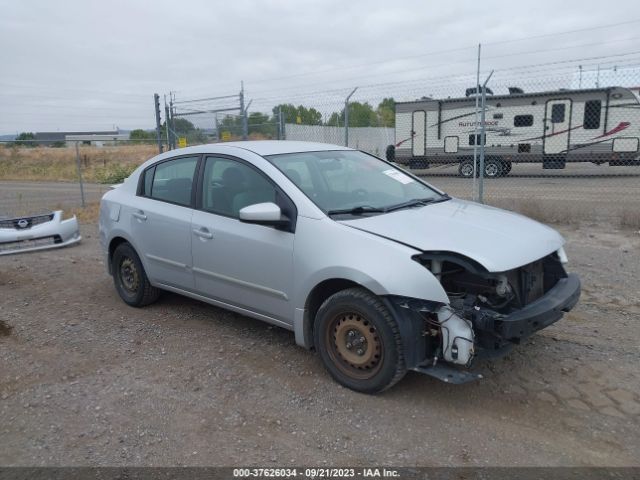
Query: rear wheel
pixel 359 342
pixel 130 279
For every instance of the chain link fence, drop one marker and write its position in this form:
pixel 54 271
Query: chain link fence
pixel 556 142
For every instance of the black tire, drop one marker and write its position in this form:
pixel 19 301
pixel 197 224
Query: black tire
pixel 378 363
pixel 391 153
pixel 130 279
pixel 506 168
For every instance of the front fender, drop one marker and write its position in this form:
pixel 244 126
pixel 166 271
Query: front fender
pixel 326 250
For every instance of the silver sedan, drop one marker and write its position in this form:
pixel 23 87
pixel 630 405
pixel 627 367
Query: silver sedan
pixel 375 269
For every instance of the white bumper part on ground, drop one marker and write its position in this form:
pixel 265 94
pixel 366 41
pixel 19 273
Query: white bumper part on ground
pixel 37 232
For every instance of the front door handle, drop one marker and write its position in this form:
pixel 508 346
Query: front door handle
pixel 139 215
pixel 203 233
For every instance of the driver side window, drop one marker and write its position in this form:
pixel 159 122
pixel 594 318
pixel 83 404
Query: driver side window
pixel 229 185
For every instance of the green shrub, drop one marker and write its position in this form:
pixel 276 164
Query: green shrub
pixel 114 173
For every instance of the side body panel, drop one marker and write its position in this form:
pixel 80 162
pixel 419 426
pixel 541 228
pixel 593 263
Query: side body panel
pixel 247 265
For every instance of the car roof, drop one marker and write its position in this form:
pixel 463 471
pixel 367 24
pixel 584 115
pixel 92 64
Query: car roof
pixel 265 147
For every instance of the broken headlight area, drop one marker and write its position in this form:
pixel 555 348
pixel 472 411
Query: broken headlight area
pixel 488 312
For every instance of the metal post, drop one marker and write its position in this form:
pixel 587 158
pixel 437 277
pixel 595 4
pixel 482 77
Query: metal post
pixel 475 132
pixel 79 174
pixel 346 117
pixel 215 123
pixel 166 122
pixel 156 104
pixel 279 125
pixel 245 121
pixel 242 110
pixel 282 125
pixel 482 138
pixel 172 133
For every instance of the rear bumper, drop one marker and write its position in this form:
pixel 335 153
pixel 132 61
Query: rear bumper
pixel 496 331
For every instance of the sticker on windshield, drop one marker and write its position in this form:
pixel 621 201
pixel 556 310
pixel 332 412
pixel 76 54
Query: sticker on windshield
pixel 398 176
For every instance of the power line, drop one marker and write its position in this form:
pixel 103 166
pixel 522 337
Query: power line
pixel 452 50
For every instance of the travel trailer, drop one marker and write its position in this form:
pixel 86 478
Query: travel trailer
pixel 597 125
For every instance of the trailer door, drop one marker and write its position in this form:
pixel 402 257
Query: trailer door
pixel 557 125
pixel 419 130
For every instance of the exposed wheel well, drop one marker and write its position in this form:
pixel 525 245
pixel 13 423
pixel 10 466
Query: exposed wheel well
pixel 316 298
pixel 115 241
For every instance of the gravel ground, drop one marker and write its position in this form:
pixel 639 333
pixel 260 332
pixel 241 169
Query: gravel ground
pixel 86 380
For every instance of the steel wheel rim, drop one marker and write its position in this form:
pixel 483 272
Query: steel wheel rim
pixel 491 170
pixel 129 276
pixel 467 170
pixel 355 346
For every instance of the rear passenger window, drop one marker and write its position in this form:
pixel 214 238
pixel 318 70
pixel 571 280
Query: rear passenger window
pixel 173 181
pixel 591 119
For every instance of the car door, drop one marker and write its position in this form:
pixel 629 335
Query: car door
pixel 246 265
pixel 161 221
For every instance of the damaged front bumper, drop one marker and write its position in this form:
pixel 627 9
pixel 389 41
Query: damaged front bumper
pixel 495 331
pixel 37 232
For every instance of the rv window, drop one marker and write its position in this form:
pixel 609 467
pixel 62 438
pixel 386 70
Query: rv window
pixel 592 114
pixel 497 116
pixel 523 120
pixel 473 138
pixel 557 113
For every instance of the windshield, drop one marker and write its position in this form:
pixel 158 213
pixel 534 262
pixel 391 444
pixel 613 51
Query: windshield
pixel 348 181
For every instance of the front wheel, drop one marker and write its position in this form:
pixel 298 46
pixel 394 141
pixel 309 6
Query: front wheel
pixel 130 279
pixel 359 341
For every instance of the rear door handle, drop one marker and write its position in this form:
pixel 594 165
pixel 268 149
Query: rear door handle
pixel 203 233
pixel 139 215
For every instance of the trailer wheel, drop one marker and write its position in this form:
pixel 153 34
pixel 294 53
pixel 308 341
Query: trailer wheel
pixel 391 153
pixel 493 168
pixel 465 169
pixel 506 167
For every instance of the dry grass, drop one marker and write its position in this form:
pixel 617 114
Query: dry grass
pixel 59 164
pixel 545 212
pixel 88 214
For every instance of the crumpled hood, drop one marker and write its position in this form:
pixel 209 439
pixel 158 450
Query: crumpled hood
pixel 497 239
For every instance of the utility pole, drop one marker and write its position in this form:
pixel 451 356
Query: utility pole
pixel 156 104
pixel 346 117
pixel 580 77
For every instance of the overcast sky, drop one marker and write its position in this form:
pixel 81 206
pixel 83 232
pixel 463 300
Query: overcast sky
pixel 86 65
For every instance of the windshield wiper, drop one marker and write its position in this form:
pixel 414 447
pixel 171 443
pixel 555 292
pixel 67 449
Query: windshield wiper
pixel 417 202
pixel 359 210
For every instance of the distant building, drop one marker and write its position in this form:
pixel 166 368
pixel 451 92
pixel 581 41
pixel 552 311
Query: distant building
pixel 98 138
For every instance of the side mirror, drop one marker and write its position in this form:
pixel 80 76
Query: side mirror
pixel 267 213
